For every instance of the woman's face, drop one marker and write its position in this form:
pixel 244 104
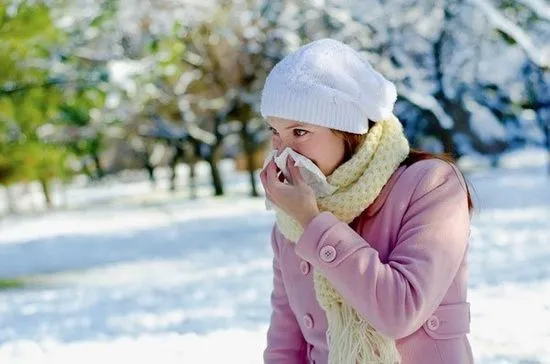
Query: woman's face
pixel 319 144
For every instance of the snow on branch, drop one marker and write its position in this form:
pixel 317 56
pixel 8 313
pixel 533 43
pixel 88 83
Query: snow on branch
pixel 538 56
pixel 429 103
pixel 539 7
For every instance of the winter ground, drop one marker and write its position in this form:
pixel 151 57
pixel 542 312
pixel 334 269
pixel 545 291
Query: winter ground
pixel 132 274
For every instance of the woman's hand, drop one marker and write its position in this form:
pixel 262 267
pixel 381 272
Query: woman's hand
pixel 295 198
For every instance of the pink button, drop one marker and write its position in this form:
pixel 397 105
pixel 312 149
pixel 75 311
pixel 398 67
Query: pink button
pixel 308 321
pixel 304 267
pixel 328 253
pixel 433 323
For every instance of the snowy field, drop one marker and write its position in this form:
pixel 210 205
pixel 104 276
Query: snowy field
pixel 136 275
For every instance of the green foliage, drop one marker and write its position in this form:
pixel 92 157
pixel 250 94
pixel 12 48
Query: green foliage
pixel 10 283
pixel 505 37
pixel 26 32
pixel 26 35
pixel 38 108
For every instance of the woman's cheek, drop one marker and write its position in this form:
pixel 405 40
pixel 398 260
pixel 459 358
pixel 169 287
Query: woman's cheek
pixel 307 149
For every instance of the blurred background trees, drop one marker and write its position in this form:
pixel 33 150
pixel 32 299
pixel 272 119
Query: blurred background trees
pixel 98 87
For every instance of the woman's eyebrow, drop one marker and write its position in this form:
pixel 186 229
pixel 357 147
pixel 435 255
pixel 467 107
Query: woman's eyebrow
pixel 295 125
pixel 292 125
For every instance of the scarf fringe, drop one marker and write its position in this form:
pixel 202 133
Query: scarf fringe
pixel 351 338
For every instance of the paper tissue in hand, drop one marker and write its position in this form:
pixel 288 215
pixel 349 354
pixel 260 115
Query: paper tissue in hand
pixel 312 175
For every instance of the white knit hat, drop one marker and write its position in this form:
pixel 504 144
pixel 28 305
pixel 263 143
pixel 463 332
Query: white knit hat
pixel 328 83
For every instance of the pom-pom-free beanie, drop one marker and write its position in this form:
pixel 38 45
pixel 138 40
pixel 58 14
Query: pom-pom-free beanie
pixel 328 83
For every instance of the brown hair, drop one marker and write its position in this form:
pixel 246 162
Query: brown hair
pixel 353 141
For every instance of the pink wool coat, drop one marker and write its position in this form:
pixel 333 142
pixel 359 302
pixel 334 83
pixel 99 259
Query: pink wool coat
pixel 401 264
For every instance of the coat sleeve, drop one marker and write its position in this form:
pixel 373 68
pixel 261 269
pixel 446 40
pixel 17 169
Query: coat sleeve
pixel 285 342
pixel 397 297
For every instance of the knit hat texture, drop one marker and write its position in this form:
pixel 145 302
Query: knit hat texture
pixel 328 83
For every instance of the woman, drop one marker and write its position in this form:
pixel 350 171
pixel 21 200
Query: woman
pixel 376 271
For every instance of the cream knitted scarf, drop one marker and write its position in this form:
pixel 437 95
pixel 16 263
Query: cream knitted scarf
pixel 351 339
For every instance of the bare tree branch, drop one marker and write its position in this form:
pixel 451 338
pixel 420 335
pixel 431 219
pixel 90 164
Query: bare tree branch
pixel 6 91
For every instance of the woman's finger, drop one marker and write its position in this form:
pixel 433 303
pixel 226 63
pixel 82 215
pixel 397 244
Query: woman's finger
pixel 271 173
pixel 266 176
pixel 265 182
pixel 263 179
pixel 263 174
pixel 290 168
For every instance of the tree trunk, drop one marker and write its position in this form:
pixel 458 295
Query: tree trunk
pixel 87 172
pixel 547 132
pixel 100 173
pixel 444 134
pixel 178 155
pixel 215 172
pixel 446 138
pixel 541 95
pixel 216 178
pixel 46 191
pixel 252 175
pixel 249 151
pixel 12 205
pixel 173 173
pixel 192 180
pixel 151 174
pixel 64 194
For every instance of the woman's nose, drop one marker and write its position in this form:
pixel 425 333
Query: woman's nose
pixel 276 142
pixel 280 144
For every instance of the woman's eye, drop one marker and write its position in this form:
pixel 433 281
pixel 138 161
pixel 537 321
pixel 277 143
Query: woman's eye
pixel 300 132
pixel 272 130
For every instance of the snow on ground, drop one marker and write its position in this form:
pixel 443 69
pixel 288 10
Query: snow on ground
pixel 133 274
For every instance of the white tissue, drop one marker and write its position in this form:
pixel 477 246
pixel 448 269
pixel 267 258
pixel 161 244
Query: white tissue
pixel 312 175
